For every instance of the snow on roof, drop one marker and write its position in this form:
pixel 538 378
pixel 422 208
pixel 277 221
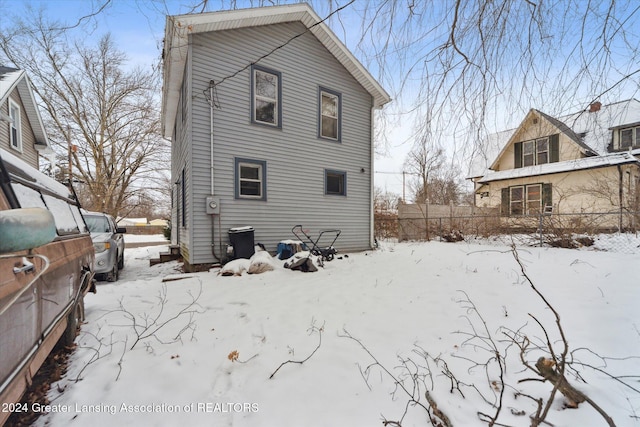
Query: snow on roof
pixel 590 130
pixel 179 27
pixel 22 169
pixel 491 147
pixel 13 79
pixel 595 127
pixel 8 80
pixel 559 167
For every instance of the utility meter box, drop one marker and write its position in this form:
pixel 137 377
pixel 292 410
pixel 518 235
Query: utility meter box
pixel 212 206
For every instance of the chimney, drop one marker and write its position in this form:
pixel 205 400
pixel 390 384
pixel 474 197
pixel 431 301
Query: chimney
pixel 595 107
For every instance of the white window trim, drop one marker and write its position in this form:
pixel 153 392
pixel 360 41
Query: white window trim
pixel 17 124
pixel 261 166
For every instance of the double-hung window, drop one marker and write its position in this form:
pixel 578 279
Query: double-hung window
pixel 526 199
pixel 15 130
pixel 250 177
pixel 266 96
pixel 629 137
pixel 538 151
pixel 330 112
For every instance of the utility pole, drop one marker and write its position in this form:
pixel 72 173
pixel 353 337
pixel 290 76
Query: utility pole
pixel 70 152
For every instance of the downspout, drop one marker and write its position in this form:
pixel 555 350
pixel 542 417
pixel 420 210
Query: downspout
pixel 371 180
pixel 211 106
pixel 213 182
pixel 620 197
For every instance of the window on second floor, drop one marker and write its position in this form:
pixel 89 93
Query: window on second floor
pixel 536 151
pixel 15 131
pixel 629 138
pixel 266 96
pixel 330 114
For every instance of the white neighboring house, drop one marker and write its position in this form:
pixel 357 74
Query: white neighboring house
pixel 587 162
pixel 21 129
pixel 271 125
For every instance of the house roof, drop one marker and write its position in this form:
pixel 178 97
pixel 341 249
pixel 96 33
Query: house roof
pixel 560 125
pixel 14 79
pixel 590 130
pixel 559 167
pixel 179 27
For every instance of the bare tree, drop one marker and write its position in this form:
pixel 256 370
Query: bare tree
pixel 99 114
pixel 471 67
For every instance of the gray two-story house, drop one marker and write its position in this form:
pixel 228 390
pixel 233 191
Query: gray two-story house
pixel 270 119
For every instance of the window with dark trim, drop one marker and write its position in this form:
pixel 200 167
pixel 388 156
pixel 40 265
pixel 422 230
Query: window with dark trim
pixel 526 199
pixel 15 130
pixel 335 183
pixel 250 179
pixel 537 151
pixel 266 96
pixel 330 114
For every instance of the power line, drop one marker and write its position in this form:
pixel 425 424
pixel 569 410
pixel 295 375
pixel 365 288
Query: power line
pixel 282 45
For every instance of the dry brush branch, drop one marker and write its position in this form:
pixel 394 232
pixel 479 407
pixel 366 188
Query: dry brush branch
pixel 300 362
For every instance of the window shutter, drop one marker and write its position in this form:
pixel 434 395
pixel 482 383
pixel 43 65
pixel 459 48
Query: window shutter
pixel 547 199
pixel 504 206
pixel 517 150
pixel 554 148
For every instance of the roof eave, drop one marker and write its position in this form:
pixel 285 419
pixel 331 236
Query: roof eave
pixel 179 27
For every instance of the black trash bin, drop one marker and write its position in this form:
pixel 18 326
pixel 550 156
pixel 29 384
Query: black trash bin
pixel 241 242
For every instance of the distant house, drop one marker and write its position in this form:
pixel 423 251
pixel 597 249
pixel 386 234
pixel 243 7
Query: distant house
pixel 586 162
pixel 271 124
pixel 21 130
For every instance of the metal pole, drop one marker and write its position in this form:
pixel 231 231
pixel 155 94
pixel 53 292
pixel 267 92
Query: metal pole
pixel 70 149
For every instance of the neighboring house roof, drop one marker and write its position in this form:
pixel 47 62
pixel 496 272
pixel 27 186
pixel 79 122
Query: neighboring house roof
pixel 559 167
pixel 590 130
pixel 560 125
pixel 179 27
pixel 570 133
pixel 13 79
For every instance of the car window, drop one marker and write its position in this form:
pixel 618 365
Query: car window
pixel 78 217
pixel 28 197
pixel 97 223
pixel 65 222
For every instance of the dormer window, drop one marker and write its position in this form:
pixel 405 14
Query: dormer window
pixel 536 151
pixel 629 138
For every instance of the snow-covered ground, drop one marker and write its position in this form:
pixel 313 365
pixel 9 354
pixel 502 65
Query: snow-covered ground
pixel 164 348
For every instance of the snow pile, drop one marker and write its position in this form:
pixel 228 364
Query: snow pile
pixel 201 350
